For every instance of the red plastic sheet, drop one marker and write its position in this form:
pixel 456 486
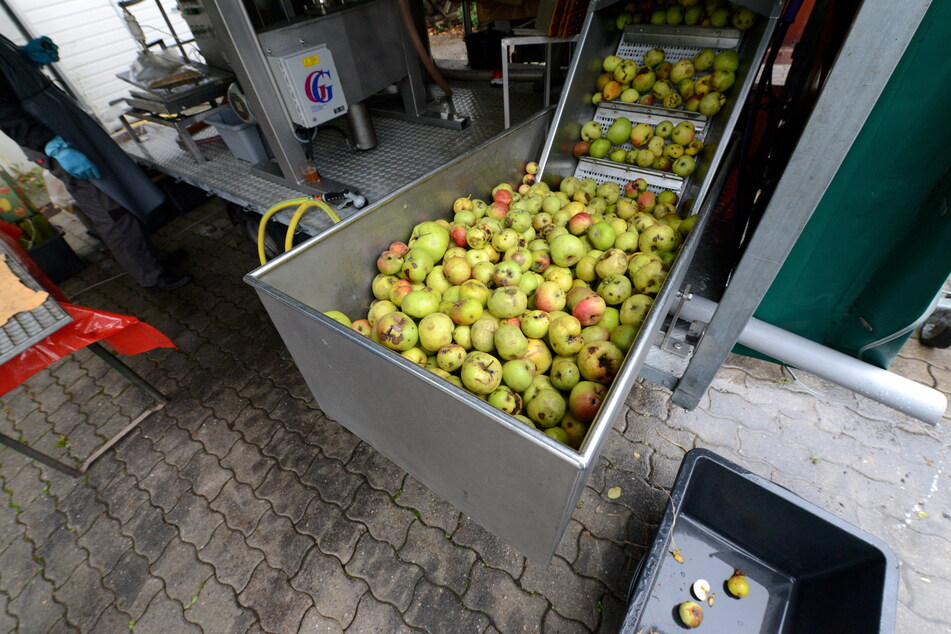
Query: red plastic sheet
pixel 126 335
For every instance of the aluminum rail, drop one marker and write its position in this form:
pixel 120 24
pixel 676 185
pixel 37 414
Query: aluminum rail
pixel 907 396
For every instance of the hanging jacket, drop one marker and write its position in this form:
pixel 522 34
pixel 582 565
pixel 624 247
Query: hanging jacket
pixel 33 111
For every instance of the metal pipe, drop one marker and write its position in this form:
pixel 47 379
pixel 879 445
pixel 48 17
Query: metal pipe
pixel 907 396
pixel 362 133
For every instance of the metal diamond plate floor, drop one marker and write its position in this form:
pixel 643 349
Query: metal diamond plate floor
pixel 405 152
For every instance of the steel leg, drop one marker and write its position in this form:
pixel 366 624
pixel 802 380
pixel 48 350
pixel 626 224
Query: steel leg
pixel 127 372
pixel 128 128
pixel 182 129
pixel 547 73
pixel 16 445
pixel 505 82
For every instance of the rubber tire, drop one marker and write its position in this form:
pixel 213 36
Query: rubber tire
pixel 936 331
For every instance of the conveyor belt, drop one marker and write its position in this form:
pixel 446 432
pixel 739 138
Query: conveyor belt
pixel 405 152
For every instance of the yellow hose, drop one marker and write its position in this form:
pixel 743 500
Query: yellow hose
pixel 303 204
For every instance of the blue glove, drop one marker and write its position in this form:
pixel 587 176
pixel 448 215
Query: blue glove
pixel 41 51
pixel 73 161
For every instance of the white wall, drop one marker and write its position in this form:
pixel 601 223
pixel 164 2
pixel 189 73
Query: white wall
pixel 94 43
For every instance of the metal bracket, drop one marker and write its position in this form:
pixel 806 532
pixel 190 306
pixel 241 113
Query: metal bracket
pixel 678 347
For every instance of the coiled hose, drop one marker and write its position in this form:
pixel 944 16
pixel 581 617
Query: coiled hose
pixel 303 204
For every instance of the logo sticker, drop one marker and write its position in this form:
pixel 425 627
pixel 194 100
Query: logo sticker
pixel 318 88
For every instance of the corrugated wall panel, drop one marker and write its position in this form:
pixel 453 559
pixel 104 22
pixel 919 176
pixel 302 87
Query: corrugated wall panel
pixel 94 43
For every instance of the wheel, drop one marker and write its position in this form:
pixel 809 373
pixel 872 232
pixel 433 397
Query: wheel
pixel 936 331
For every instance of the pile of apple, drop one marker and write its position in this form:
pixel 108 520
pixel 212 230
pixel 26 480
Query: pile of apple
pixel 666 147
pixel 531 301
pixel 658 81
pixel 717 13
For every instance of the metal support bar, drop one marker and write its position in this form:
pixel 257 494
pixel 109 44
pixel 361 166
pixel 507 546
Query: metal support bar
pixel 851 91
pixel 127 372
pixel 912 398
pixel 524 40
pixel 26 450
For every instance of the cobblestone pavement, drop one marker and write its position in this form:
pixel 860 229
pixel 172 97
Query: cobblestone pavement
pixel 241 507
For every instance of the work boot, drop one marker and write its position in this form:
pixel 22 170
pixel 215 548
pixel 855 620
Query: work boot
pixel 170 281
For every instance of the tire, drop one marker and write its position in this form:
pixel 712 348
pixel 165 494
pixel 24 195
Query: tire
pixel 936 331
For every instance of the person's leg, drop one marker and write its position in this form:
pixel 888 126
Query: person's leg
pixel 119 230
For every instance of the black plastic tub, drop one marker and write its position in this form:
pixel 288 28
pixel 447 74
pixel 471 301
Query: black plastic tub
pixel 808 570
pixel 57 258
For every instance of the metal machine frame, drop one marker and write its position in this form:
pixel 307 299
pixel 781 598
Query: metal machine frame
pixel 250 54
pixel 847 98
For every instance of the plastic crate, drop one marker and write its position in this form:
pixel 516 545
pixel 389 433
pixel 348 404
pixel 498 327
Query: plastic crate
pixel 808 570
pixel 57 258
pixel 243 139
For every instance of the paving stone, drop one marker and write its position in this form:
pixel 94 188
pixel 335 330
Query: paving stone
pixel 231 557
pixel 279 607
pixel 111 620
pixel 380 472
pixel 162 613
pixel 444 563
pixel 379 617
pixel 195 519
pixel 334 592
pixel 61 554
pixel 104 543
pixel 133 585
pixel 610 563
pixel 287 494
pixel 41 519
pixel 603 519
pixel 390 579
pixel 613 613
pixel 17 567
pixel 334 440
pixel 432 509
pixel 85 597
pixel 492 550
pixel 216 610
pixel 224 401
pixel 164 486
pixel 262 394
pixel 497 595
pixel 215 435
pixel 177 447
pixel 26 486
pixel 283 547
pixel 241 508
pixel 436 609
pixel 333 482
pixel 254 424
pixel 149 532
pixel 34 607
pixel 290 450
pixel 314 622
pixel 565 590
pixel 335 534
pixel 138 454
pixel 7 622
pixel 250 466
pixel 385 520
pixel 567 548
pixel 181 571
pixel 555 623
pixel 206 475
pixel 123 498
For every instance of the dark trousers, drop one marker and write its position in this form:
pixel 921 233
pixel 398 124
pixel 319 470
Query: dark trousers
pixel 119 229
